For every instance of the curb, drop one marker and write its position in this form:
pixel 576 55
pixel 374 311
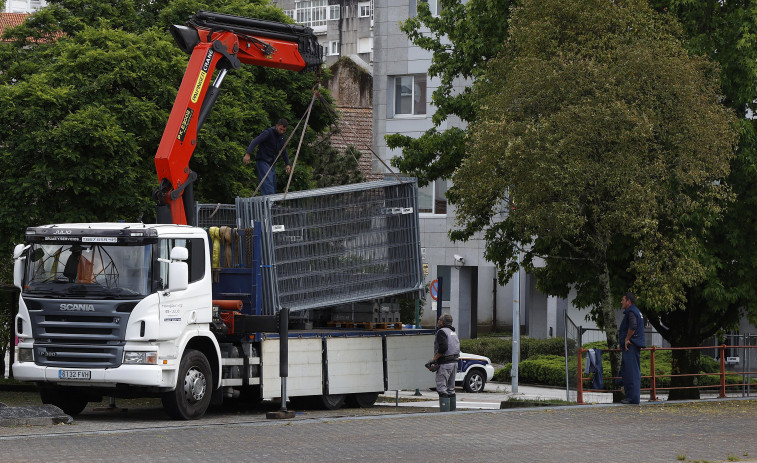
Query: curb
pixel 32 416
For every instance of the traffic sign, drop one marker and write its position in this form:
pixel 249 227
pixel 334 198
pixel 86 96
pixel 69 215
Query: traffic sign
pixel 434 289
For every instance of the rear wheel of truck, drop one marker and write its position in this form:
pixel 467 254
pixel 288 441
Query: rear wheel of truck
pixel 68 399
pixel 363 399
pixel 191 397
pixel 333 401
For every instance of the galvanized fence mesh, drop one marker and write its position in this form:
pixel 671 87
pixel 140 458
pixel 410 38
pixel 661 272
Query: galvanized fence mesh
pixel 740 358
pixel 337 245
pixel 216 215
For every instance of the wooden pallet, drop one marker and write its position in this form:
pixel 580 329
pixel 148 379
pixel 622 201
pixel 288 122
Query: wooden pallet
pixel 367 325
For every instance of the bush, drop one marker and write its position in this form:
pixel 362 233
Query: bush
pixel 663 367
pixel 545 369
pixel 500 350
pixel 550 370
pixel 552 346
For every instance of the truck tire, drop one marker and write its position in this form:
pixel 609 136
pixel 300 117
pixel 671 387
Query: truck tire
pixel 362 400
pixel 332 401
pixel 68 399
pixel 191 398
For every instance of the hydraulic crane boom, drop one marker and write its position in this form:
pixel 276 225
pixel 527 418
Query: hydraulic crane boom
pixel 215 40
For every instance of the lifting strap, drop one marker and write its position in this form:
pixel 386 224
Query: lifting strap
pixel 336 118
pixel 306 116
pixel 302 137
pixel 282 150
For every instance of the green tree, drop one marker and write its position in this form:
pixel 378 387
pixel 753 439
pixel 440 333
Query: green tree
pixel 600 147
pixel 331 168
pixel 725 32
pixel 85 92
pixel 463 38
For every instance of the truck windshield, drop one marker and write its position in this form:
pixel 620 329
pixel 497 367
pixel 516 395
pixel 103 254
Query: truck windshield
pixel 102 271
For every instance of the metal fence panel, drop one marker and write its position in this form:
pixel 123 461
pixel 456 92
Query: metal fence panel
pixel 337 245
pixel 216 215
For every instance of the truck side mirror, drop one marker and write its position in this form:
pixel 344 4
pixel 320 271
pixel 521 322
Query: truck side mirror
pixel 179 253
pixel 178 270
pixel 19 262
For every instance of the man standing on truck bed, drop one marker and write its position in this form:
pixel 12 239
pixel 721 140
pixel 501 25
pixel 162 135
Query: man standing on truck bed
pixel 446 353
pixel 269 143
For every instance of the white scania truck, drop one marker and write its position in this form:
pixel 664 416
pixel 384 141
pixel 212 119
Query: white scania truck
pixel 193 314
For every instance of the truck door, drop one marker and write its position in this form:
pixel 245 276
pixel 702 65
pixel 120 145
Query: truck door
pixel 192 305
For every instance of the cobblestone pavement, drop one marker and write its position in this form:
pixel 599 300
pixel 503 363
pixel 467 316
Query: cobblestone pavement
pixel 713 430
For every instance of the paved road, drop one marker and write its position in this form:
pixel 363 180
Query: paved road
pixel 710 430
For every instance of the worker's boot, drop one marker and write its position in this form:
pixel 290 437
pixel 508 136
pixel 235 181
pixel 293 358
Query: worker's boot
pixel 453 402
pixel 443 404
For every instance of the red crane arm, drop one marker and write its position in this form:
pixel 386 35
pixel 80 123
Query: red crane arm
pixel 221 41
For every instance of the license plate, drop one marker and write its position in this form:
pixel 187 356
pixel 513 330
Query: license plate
pixel 75 374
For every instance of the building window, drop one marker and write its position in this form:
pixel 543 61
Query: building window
pixel 410 95
pixel 291 14
pixel 333 48
pixel 311 12
pixel 433 6
pixel 334 12
pixel 365 9
pixel 365 45
pixel 432 198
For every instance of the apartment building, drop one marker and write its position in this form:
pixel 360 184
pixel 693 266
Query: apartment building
pixel 470 292
pixel 343 27
pixel 23 6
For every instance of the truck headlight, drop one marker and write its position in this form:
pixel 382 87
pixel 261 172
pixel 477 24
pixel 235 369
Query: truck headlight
pixel 140 358
pixel 24 354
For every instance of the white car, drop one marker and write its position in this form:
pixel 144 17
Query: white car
pixel 473 371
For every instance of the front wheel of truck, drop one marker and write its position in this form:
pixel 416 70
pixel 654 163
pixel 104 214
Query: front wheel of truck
pixel 191 398
pixel 68 399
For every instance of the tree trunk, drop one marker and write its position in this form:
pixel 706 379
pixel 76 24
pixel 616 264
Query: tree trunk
pixel 690 328
pixel 606 321
pixel 684 362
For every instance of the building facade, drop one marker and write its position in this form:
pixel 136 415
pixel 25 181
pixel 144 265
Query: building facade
pixel 343 27
pixel 23 6
pixel 470 292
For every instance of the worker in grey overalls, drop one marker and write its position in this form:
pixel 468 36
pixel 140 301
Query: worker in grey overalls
pixel 446 353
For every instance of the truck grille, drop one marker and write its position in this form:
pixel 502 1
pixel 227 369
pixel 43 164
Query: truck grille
pixel 78 340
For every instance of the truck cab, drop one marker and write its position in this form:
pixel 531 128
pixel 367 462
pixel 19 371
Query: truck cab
pixel 111 305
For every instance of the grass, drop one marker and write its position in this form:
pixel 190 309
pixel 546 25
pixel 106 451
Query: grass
pixel 12 382
pixel 19 399
pixel 544 401
pixel 391 400
pixel 729 458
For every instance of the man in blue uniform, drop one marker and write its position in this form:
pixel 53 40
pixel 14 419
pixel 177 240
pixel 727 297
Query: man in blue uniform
pixel 269 143
pixel 632 340
pixel 446 353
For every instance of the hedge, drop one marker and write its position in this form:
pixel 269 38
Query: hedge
pixel 545 369
pixel 550 370
pixel 500 350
